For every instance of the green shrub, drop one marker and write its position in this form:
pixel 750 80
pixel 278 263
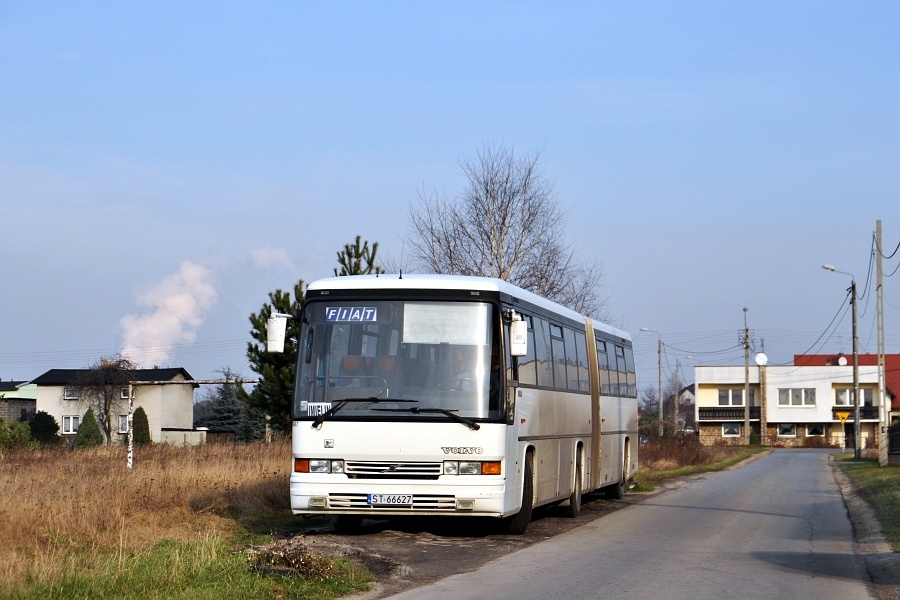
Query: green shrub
pixel 141 427
pixel 44 428
pixel 14 435
pixel 815 442
pixel 88 433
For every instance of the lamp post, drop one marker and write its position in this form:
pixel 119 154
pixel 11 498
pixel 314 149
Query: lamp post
pixel 856 397
pixel 659 350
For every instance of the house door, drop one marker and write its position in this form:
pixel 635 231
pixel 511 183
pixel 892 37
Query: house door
pixel 849 435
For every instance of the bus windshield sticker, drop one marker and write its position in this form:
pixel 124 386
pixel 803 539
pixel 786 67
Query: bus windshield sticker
pixel 317 408
pixel 351 314
pixel 446 324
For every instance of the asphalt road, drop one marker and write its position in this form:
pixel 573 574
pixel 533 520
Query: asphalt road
pixel 778 526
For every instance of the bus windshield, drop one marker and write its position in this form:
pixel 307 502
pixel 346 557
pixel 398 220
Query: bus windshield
pixel 362 359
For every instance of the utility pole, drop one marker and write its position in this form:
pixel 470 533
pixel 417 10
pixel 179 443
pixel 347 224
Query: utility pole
pixel 746 380
pixel 661 399
pixel 856 433
pixel 677 399
pixel 856 399
pixel 883 409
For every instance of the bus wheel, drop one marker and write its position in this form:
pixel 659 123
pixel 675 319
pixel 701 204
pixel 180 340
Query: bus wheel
pixel 617 491
pixel 518 523
pixel 574 506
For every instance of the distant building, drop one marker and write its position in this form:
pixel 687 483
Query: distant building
pixel 891 371
pixel 16 401
pixel 808 403
pixel 166 395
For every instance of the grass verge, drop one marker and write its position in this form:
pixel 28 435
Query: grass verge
pixel 880 488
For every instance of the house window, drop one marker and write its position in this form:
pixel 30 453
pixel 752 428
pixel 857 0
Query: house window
pixel 797 397
pixel 731 430
pixel 814 430
pixel 70 394
pixel 70 424
pixel 787 430
pixel 123 423
pixel 844 396
pixel 124 394
pixel 735 397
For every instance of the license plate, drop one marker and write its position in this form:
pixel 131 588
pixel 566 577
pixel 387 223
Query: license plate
pixel 390 499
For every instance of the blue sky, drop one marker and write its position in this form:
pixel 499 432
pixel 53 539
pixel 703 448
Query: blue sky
pixel 163 166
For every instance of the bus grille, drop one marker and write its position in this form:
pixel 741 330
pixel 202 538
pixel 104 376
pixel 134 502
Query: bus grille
pixel 420 502
pixel 392 470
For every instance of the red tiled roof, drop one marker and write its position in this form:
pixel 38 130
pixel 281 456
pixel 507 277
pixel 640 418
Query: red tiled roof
pixel 891 368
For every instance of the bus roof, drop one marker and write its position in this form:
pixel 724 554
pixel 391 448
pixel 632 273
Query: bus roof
pixel 453 282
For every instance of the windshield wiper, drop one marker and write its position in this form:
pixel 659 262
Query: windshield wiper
pixel 342 403
pixel 443 411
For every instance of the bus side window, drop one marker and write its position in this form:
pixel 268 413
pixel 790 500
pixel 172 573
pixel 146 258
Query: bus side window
pixel 558 348
pixel 584 377
pixel 630 374
pixel 603 363
pixel 622 388
pixel 542 353
pixel 527 374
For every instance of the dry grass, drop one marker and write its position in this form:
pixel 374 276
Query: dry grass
pixel 684 455
pixel 62 511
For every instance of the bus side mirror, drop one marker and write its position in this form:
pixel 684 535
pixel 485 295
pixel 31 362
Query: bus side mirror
pixel 276 326
pixel 518 338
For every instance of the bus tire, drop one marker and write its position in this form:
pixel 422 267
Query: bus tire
pixel 617 491
pixel 573 508
pixel 518 523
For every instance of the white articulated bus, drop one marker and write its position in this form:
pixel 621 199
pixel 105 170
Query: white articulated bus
pixel 448 395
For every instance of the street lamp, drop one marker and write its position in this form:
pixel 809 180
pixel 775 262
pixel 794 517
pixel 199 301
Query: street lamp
pixel 659 350
pixel 856 397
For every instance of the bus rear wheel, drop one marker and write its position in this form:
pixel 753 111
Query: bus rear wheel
pixel 573 508
pixel 617 491
pixel 518 523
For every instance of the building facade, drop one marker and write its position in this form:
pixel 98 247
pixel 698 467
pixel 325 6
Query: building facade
pixel 789 405
pixel 166 395
pixel 17 401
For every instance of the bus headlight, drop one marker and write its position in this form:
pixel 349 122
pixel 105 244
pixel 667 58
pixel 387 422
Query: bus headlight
pixel 454 467
pixel 470 468
pixel 318 465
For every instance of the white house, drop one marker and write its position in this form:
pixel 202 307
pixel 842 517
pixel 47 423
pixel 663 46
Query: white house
pixel 789 404
pixel 166 395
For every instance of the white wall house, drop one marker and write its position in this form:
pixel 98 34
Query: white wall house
pixel 166 395
pixel 788 405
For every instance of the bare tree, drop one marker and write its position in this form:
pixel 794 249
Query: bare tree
pixel 505 223
pixel 101 388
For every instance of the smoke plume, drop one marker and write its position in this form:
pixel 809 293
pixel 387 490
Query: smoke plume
pixel 175 308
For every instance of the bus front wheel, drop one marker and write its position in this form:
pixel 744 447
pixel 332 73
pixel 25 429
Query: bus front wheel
pixel 518 523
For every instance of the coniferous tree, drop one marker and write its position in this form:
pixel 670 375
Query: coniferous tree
pixel 141 427
pixel 358 259
pixel 88 433
pixel 44 428
pixel 14 435
pixel 223 411
pixel 274 393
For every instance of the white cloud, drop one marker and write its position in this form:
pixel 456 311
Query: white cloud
pixel 269 257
